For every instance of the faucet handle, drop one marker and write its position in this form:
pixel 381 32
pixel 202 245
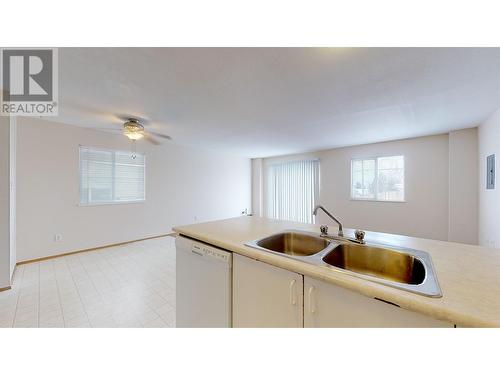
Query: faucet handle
pixel 323 229
pixel 360 235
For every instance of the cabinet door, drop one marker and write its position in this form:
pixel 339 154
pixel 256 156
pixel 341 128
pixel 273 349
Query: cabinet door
pixel 328 305
pixel 265 296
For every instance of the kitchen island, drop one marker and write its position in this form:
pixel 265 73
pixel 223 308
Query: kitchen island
pixel 469 276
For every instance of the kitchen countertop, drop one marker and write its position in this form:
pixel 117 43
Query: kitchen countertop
pixel 469 276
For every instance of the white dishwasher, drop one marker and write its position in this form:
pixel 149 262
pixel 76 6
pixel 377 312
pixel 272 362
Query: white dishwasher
pixel 203 284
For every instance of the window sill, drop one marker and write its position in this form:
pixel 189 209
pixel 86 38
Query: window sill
pixel 109 203
pixel 376 200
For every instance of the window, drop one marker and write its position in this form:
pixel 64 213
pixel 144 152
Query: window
pixel 381 179
pixel 109 176
pixel 292 190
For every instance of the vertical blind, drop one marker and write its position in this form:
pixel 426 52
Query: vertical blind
pixel 292 190
pixel 110 176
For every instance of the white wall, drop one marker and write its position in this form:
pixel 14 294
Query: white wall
pixel 489 200
pixel 425 212
pixel 4 202
pixel 463 182
pixel 182 184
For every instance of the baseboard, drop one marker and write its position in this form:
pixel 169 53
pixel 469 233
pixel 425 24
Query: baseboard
pixel 91 249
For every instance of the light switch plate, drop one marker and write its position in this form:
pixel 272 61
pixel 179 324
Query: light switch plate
pixel 490 171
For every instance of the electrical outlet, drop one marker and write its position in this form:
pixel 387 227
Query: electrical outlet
pixel 57 237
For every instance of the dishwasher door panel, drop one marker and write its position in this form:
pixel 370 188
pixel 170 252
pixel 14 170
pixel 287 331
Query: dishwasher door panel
pixel 203 285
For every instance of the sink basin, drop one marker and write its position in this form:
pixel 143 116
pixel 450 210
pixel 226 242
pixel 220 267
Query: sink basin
pixel 402 268
pixel 378 262
pixel 294 243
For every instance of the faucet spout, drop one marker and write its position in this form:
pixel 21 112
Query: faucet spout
pixel 319 207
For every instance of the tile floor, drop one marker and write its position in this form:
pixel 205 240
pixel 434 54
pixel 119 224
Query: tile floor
pixel 131 285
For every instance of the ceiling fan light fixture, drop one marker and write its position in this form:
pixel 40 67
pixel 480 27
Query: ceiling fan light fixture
pixel 135 135
pixel 133 129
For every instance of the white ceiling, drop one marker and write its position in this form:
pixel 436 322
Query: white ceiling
pixel 259 102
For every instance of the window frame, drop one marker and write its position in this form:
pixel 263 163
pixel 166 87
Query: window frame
pixel 375 159
pixel 110 203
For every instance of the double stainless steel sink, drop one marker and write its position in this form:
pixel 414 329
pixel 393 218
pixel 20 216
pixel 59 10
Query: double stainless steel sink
pixel 402 268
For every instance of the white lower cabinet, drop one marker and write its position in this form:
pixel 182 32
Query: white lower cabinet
pixel 328 305
pixel 266 296
pixel 269 296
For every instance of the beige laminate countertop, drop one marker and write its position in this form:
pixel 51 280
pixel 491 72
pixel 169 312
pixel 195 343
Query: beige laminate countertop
pixel 469 276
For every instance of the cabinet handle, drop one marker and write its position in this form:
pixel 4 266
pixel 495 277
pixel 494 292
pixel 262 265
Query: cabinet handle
pixel 312 307
pixel 292 292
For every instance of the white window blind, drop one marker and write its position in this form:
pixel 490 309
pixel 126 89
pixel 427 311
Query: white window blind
pixel 380 179
pixel 292 190
pixel 110 176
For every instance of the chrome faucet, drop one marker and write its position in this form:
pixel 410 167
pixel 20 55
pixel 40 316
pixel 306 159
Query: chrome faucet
pixel 359 235
pixel 340 232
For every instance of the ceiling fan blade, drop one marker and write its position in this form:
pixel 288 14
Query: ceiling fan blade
pixel 160 135
pixel 150 139
pixel 125 118
pixel 106 129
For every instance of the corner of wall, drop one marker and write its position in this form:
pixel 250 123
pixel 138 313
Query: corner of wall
pixel 489 199
pixel 257 199
pixel 463 187
pixel 13 196
pixel 5 199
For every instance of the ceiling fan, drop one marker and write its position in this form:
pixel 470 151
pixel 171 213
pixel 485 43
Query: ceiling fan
pixel 134 130
pixel 131 126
